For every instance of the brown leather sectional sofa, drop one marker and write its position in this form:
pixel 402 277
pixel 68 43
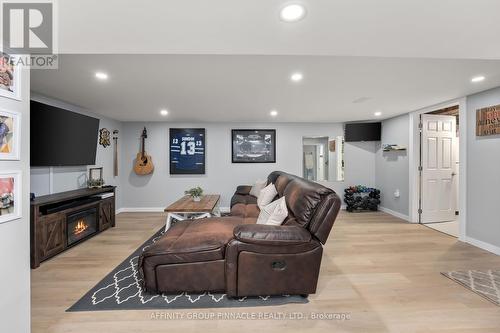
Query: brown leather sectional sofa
pixel 233 254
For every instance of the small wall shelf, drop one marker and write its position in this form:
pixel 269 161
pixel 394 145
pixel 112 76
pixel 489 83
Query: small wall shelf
pixel 391 147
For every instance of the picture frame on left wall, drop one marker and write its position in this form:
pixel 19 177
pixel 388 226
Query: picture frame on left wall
pixel 10 77
pixel 10 193
pixel 10 135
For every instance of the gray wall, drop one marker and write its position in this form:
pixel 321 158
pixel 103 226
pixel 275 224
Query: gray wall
pixel 161 188
pixel 14 235
pixel 70 178
pixel 483 177
pixel 392 168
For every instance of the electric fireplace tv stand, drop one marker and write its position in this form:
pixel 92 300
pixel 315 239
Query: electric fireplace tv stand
pixel 62 220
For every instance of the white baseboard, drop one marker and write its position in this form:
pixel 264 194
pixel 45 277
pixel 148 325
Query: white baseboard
pixel 394 213
pixel 483 245
pixel 140 210
pixel 154 210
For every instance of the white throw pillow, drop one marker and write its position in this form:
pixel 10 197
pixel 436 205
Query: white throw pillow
pixel 266 195
pixel 274 213
pixel 257 187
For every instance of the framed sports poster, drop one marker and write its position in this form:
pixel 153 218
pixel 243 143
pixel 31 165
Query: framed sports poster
pixel 187 151
pixel 254 146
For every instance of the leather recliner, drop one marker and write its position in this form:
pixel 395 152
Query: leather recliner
pixel 233 254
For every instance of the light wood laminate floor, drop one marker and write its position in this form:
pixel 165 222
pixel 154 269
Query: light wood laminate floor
pixel 381 271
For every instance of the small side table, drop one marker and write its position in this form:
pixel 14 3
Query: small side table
pixel 185 208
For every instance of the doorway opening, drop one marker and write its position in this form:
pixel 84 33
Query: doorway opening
pixel 316 158
pixel 439 170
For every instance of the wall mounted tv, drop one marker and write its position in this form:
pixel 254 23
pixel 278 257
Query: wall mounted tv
pixel 363 132
pixel 61 138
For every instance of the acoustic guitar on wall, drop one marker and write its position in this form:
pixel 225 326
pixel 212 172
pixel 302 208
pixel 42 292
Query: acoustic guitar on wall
pixel 143 163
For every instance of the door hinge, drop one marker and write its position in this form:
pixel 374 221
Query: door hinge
pixel 420 125
pixel 420 211
pixel 420 168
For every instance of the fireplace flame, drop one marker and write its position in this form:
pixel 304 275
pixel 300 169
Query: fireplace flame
pixel 80 227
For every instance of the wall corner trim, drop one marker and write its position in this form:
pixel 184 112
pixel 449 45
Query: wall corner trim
pixel 483 245
pixel 396 214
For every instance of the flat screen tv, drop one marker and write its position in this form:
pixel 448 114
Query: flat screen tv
pixel 61 138
pixel 363 132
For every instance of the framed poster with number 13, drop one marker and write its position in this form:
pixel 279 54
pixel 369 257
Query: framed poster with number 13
pixel 187 151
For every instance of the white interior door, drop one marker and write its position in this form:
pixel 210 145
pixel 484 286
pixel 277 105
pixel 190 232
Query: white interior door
pixel 439 174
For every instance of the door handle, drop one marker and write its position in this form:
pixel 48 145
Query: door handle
pixel 453 174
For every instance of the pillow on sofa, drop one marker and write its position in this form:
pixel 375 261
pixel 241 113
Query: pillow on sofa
pixel 257 187
pixel 274 213
pixel 266 195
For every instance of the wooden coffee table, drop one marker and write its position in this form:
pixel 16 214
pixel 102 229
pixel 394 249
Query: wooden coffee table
pixel 185 208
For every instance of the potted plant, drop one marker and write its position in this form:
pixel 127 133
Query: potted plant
pixel 195 193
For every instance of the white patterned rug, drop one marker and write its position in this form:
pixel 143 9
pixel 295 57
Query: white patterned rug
pixel 120 290
pixel 485 283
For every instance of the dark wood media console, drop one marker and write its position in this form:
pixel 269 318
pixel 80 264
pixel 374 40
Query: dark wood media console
pixel 62 220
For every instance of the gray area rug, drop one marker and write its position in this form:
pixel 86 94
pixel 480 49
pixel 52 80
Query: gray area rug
pixel 120 290
pixel 485 283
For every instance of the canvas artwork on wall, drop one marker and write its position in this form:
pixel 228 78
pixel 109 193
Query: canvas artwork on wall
pixel 9 135
pixel 187 151
pixel 488 121
pixel 9 77
pixel 10 189
pixel 254 146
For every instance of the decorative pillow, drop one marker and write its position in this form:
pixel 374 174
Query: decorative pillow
pixel 274 213
pixel 257 187
pixel 266 195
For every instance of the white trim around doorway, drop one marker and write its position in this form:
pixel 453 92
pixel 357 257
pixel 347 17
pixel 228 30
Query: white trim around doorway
pixel 413 153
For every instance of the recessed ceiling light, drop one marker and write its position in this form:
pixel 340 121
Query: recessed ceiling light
pixel 378 114
pixel 293 13
pixel 101 75
pixel 296 77
pixel 477 79
pixel 164 112
pixel 273 113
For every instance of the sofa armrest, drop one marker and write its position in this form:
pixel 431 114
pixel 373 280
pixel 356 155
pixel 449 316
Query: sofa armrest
pixel 261 234
pixel 243 189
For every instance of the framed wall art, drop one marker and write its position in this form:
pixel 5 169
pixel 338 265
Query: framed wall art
pixel 253 145
pixel 187 151
pixel 10 135
pixel 10 195
pixel 488 121
pixel 104 137
pixel 10 76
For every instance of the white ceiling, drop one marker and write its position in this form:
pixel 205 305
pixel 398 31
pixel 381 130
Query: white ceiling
pixel 245 88
pixel 385 28
pixel 229 60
